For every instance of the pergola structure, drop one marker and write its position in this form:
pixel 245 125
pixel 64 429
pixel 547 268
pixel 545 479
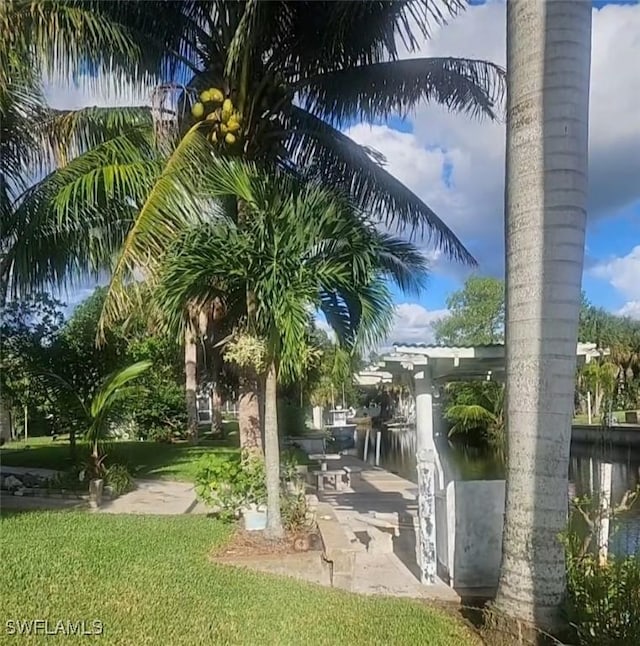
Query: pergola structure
pixel 430 367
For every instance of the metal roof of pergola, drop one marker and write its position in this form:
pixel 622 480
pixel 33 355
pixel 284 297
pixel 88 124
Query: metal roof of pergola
pixel 455 363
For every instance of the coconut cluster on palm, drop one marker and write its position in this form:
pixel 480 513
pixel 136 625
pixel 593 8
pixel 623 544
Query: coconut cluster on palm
pixel 218 110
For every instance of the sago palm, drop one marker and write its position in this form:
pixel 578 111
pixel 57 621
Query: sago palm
pixel 302 248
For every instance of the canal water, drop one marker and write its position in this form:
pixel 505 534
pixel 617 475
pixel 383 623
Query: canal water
pixel 398 455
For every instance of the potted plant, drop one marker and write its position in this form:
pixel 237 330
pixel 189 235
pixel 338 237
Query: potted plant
pixel 253 491
pixel 234 487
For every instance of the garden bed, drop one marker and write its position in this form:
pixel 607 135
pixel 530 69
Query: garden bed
pixel 243 543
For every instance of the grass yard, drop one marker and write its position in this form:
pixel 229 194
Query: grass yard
pixel 145 459
pixel 595 419
pixel 148 580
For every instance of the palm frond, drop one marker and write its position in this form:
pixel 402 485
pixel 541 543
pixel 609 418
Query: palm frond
pixel 370 92
pixel 175 202
pixel 402 262
pixel 467 417
pixel 325 36
pixel 339 161
pixel 74 220
pixel 66 134
pixel 59 35
pixel 106 395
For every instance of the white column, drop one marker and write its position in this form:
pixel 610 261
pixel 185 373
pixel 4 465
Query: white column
pixel 424 410
pixel 318 415
pixel 426 457
pixel 605 510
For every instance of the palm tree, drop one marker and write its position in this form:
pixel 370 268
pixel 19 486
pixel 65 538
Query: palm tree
pixel 295 72
pixel 548 43
pixel 48 38
pixel 96 413
pixel 302 248
pixel 486 414
pixel 600 379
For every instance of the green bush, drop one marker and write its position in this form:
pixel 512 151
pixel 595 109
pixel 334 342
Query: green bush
pixel 230 482
pixel 163 434
pixel 291 418
pixel 117 477
pixel 71 479
pixel 603 600
pixel 161 413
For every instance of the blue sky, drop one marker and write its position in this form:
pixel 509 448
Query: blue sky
pixel 457 165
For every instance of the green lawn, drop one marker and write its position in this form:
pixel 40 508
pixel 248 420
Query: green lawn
pixel 145 459
pixel 148 580
pixel 595 419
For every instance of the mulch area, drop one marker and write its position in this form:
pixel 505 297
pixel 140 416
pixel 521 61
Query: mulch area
pixel 244 543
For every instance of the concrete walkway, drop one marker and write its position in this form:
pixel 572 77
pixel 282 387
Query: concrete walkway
pixel 381 510
pixel 159 497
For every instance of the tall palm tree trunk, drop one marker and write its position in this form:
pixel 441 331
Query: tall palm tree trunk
pixel 250 420
pixel 216 392
pixel 191 381
pixel 548 60
pixel 5 420
pixel 272 453
pixel 249 424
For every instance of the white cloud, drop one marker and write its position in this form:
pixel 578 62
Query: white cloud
pixel 471 203
pixel 623 273
pixel 631 309
pixel 414 324
pixel 108 91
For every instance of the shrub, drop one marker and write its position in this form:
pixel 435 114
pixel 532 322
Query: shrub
pixel 162 434
pixel 603 600
pixel 291 418
pixel 162 407
pixel 230 483
pixel 117 477
pixel 295 511
pixel 124 429
pixel 71 479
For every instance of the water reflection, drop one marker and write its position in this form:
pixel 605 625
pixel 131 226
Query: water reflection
pixel 398 455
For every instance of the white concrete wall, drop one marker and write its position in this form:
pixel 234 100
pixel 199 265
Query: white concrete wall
pixel 472 550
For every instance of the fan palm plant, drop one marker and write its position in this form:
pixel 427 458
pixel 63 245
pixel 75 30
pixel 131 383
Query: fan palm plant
pixel 302 248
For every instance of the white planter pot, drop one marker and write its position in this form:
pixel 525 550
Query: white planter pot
pixel 255 518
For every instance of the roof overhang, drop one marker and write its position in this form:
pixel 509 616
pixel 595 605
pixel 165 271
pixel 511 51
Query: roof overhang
pixel 450 363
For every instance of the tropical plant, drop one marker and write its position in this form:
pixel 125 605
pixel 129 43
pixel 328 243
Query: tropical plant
pixel 486 413
pixel 286 87
pixel 303 248
pixel 600 378
pixel 602 605
pixel 98 412
pixel 231 483
pixel 545 229
pixel 117 477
